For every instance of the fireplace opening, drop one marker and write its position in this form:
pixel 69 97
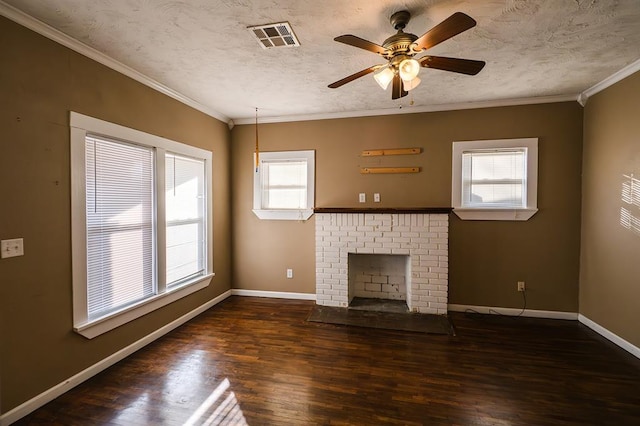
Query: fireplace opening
pixel 379 282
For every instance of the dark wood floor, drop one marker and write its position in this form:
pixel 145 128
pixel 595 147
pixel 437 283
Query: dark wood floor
pixel 259 361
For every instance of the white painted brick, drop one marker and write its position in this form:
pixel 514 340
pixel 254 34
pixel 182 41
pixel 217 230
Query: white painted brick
pixel 364 228
pixel 374 234
pixel 373 245
pixel 400 251
pixel 365 250
pixel 429 247
pixel 438 282
pixel 330 303
pixel 436 293
pixel 401 239
pixel 356 233
pixel 410 234
pixel 382 250
pixel 322 297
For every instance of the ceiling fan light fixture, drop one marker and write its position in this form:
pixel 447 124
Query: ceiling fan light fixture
pixel 411 84
pixel 383 77
pixel 409 69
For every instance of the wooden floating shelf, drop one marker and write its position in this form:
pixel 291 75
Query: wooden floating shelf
pixel 400 151
pixel 388 170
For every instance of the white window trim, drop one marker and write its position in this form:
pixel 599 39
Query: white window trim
pixel 290 214
pixel 488 213
pixel 81 125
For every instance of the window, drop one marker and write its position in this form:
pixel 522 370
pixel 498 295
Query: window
pixel 283 186
pixel 495 179
pixel 141 223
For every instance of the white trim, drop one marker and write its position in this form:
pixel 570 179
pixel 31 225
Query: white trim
pixel 528 145
pixel 302 214
pixel 273 294
pixel 116 319
pixel 62 387
pixel 627 346
pixel 609 81
pixel 410 109
pixel 494 214
pixel 45 30
pixel 533 313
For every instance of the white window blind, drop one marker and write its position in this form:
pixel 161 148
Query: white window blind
pixel 120 231
pixel 284 184
pixel 185 218
pixel 494 178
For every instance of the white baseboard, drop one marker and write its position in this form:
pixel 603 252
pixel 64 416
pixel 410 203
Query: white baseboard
pixel 54 392
pixel 629 347
pixel 273 294
pixel 534 313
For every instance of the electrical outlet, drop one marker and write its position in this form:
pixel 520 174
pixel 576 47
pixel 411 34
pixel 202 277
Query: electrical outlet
pixel 362 197
pixel 289 273
pixel 12 248
pixel 521 286
pixel 376 197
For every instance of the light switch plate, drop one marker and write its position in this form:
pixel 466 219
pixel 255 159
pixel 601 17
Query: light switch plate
pixel 362 197
pixel 12 248
pixel 376 197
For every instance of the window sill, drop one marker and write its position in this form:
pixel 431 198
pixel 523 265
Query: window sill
pixel 101 325
pixel 494 214
pixel 303 214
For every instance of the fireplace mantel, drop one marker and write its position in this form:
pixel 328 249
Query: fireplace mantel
pixel 385 210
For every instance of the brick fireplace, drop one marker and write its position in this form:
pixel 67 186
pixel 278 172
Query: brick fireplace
pixel 415 238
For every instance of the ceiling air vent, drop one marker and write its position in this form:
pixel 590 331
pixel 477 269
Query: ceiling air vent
pixel 274 35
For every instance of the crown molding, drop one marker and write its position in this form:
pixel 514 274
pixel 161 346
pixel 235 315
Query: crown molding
pixel 609 81
pixel 51 33
pixel 410 110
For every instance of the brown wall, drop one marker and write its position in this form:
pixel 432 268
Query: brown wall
pixel 40 82
pixel 486 258
pixel 610 257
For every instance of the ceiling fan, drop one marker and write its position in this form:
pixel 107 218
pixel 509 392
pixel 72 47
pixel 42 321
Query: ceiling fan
pixel 399 51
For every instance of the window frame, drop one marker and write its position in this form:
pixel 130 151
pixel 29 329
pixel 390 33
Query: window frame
pixel 499 212
pixel 284 214
pixel 80 126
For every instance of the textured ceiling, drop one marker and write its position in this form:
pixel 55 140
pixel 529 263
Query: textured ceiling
pixel 202 49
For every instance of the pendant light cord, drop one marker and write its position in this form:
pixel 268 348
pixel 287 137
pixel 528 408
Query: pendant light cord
pixel 257 146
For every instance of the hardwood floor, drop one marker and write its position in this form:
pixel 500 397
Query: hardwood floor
pixel 258 361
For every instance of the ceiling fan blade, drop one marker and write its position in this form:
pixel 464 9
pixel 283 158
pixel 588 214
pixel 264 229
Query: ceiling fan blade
pixel 354 76
pixel 453 25
pixel 352 40
pixel 462 66
pixel 397 89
